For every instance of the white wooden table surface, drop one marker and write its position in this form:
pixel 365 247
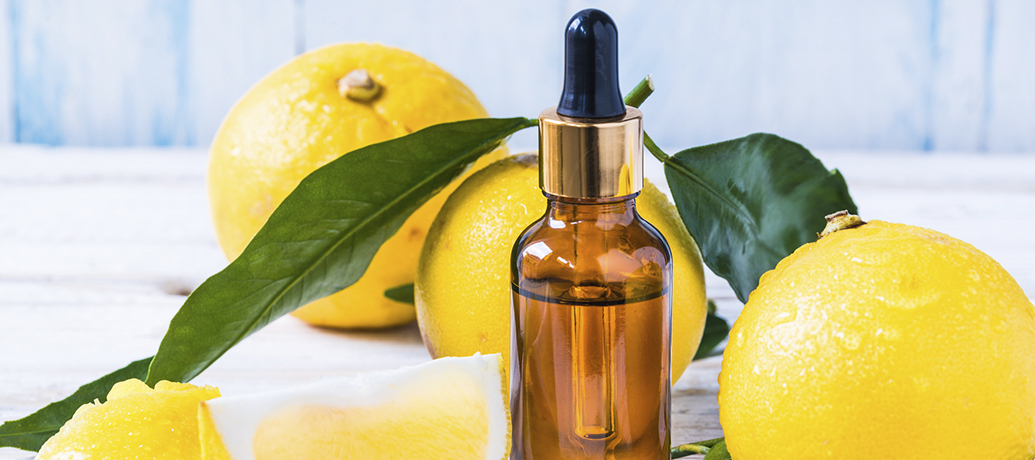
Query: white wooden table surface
pixel 96 247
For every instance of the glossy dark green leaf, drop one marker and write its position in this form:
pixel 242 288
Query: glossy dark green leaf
pixel 750 202
pixel 715 331
pixel 718 452
pixel 321 238
pixel 31 432
pixel 402 293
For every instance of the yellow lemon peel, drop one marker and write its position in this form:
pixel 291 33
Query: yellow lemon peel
pixel 463 280
pixel 883 335
pixel 136 421
pixel 314 109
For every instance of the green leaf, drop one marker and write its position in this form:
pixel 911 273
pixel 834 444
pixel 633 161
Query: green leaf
pixel 317 242
pixel 715 330
pixel 402 293
pixel 718 452
pixel 321 238
pixel 752 201
pixel 31 432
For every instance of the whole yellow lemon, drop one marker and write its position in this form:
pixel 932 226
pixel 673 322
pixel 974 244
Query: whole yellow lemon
pixel 135 422
pixel 316 108
pixel 463 279
pixel 882 341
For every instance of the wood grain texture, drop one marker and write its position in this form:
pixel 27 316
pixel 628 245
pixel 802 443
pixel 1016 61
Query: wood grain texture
pixel 6 66
pixel 946 75
pixel 957 90
pixel 232 44
pixel 1011 54
pixel 100 73
pixel 115 215
pixel 825 74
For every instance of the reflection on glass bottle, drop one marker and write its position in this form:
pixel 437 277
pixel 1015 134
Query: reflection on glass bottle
pixel 592 312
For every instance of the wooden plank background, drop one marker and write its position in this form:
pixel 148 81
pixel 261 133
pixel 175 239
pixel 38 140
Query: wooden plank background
pixel 6 72
pixel 881 74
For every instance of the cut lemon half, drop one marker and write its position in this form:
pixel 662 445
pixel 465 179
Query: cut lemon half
pixel 453 408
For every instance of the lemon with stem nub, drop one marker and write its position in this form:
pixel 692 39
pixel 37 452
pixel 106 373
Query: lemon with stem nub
pixel 881 340
pixel 316 108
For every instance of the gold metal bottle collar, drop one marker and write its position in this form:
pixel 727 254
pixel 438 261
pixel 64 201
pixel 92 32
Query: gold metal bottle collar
pixel 591 158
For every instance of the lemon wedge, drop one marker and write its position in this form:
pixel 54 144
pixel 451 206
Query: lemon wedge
pixel 136 421
pixel 453 408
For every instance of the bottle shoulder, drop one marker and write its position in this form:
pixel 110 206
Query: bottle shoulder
pixel 592 252
pixel 632 233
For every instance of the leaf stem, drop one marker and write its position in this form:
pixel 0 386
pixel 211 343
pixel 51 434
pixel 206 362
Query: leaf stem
pixel 654 149
pixel 688 449
pixel 699 447
pixel 695 448
pixel 640 92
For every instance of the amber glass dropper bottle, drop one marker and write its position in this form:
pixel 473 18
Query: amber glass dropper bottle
pixel 591 279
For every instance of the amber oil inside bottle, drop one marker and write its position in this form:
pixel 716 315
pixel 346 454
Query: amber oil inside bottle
pixel 592 317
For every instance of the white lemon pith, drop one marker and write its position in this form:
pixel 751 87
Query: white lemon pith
pixel 452 408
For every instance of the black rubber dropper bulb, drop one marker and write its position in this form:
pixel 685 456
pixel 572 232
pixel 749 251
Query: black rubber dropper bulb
pixel 591 67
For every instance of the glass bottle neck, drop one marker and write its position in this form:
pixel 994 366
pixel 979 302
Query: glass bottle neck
pixel 615 209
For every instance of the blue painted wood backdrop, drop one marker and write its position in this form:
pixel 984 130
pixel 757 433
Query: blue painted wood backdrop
pixel 866 74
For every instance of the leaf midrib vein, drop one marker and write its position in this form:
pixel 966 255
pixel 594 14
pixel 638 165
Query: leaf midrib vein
pixel 676 163
pixel 27 433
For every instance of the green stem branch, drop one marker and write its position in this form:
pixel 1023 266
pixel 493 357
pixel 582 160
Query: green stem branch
pixel 654 149
pixel 695 448
pixel 688 449
pixel 640 92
